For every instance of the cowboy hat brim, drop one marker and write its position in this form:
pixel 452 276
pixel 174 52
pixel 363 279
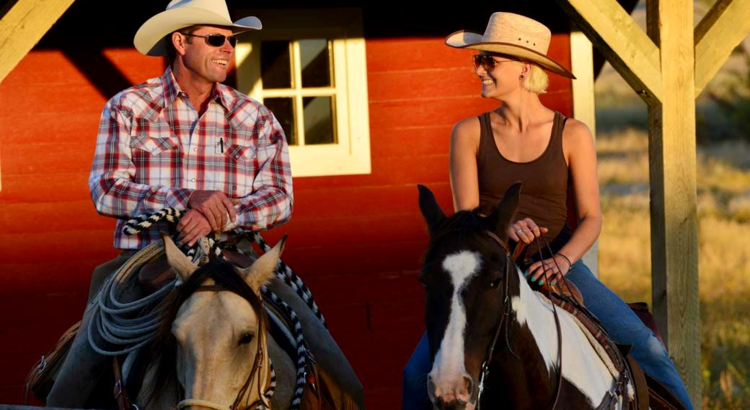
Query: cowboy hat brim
pixel 149 39
pixel 473 40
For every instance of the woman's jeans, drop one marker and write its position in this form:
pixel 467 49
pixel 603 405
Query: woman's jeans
pixel 622 324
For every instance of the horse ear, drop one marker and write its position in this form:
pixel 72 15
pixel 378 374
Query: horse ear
pixel 431 211
pixel 263 269
pixel 181 264
pixel 504 211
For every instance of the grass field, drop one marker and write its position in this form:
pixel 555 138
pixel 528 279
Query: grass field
pixel 724 253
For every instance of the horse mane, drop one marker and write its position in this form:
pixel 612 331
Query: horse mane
pixel 163 350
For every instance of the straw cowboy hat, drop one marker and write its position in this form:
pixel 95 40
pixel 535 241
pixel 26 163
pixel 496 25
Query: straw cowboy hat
pixel 150 39
pixel 512 35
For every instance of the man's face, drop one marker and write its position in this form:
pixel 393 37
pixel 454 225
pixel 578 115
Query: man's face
pixel 207 61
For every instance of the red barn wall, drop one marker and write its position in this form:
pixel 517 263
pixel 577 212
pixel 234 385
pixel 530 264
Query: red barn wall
pixel 355 240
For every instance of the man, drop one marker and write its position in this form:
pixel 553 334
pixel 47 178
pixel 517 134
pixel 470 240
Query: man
pixel 182 140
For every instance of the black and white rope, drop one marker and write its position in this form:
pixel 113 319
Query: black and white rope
pixel 285 273
pixel 301 346
pixel 209 246
pixel 145 221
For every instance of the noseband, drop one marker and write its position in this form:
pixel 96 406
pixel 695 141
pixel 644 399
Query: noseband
pixel 504 323
pixel 261 360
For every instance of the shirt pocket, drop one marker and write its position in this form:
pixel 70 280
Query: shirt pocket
pixel 153 144
pixel 241 161
pixel 155 153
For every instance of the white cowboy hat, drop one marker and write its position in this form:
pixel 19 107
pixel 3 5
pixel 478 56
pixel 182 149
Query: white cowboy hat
pixel 512 35
pixel 149 39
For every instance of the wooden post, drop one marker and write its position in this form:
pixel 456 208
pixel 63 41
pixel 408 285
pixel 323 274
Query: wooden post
pixel 584 107
pixel 672 168
pixel 23 25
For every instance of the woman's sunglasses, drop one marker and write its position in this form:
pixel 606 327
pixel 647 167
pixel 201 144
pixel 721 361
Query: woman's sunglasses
pixel 216 40
pixel 486 62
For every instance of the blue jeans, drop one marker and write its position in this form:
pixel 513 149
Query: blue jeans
pixel 618 319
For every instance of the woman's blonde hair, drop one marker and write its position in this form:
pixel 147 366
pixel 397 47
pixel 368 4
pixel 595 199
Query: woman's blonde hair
pixel 536 80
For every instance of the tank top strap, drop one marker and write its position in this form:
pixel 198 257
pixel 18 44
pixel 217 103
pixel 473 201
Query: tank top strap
pixel 555 148
pixel 486 138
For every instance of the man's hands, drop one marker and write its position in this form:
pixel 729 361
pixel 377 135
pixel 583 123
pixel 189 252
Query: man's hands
pixel 215 206
pixel 209 211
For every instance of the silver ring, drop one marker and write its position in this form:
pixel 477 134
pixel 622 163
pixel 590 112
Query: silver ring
pixel 519 231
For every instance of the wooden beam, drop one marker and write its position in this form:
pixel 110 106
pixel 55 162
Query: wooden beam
pixel 23 25
pixel 722 29
pixel 672 168
pixel 584 106
pixel 621 41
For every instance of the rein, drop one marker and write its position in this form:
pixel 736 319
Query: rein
pixel 485 370
pixel 261 360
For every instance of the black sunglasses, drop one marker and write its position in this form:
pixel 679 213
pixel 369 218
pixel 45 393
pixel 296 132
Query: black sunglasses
pixel 216 40
pixel 486 62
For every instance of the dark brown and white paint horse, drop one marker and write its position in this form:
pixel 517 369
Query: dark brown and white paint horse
pixel 480 308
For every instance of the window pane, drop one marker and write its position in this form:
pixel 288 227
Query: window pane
pixel 275 64
pixel 316 70
pixel 283 110
pixel 318 120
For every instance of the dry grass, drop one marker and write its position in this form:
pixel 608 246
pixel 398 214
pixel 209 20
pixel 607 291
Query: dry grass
pixel 724 251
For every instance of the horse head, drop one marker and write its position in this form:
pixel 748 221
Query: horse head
pixel 214 341
pixel 469 279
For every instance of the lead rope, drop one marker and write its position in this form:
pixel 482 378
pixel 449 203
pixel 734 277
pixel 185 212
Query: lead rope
pixel 620 385
pixel 558 387
pixel 301 346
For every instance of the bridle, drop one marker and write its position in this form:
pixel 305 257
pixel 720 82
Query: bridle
pixel 261 367
pixel 504 323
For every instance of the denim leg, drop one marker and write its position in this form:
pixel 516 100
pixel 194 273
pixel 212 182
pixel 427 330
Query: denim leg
pixel 414 395
pixel 624 327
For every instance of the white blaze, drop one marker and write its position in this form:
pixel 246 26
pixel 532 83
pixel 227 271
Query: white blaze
pixel 449 361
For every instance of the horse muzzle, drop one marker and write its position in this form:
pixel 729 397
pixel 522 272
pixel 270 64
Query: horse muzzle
pixel 452 395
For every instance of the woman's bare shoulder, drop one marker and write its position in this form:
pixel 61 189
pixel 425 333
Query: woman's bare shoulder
pixel 576 132
pixel 466 131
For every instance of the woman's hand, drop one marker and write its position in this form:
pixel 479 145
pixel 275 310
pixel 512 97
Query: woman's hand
pixel 549 270
pixel 525 230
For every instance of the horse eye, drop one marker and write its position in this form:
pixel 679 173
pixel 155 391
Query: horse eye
pixel 246 338
pixel 495 283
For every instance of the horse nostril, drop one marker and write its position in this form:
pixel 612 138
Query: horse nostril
pixel 469 385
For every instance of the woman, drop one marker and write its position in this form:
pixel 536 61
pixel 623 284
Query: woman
pixel 524 140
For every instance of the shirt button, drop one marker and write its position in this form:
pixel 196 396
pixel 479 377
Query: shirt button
pixel 195 149
pixel 237 156
pixel 193 179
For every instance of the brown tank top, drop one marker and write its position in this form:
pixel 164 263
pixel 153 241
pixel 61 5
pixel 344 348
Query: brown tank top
pixel 544 192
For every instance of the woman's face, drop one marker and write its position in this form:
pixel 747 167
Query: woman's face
pixel 499 74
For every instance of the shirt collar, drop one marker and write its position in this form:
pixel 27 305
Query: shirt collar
pixel 172 90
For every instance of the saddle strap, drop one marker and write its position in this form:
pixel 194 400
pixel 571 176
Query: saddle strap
pixel 641 401
pixel 121 396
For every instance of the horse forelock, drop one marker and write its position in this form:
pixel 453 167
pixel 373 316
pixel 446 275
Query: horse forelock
pixel 163 350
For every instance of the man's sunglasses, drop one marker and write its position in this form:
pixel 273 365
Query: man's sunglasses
pixel 216 40
pixel 486 62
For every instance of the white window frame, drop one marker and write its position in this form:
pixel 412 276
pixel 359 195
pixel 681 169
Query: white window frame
pixel 351 153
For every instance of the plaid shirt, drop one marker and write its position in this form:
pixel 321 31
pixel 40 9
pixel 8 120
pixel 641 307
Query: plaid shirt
pixel 153 151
